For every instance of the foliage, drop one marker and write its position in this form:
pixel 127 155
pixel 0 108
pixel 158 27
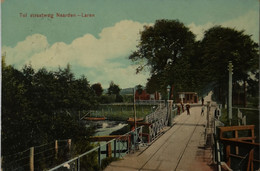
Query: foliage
pixel 105 98
pixel 121 112
pixel 42 106
pixel 139 89
pixel 252 118
pixel 113 89
pixel 113 94
pixel 166 50
pixel 169 51
pixel 127 98
pixel 221 45
pixel 106 161
pixel 97 88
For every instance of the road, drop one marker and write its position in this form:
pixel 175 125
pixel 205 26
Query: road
pixel 181 148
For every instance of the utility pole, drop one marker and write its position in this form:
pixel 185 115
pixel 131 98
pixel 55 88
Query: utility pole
pixel 168 108
pixel 134 109
pixel 230 66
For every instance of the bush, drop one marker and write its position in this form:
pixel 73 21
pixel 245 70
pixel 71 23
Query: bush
pixel 105 162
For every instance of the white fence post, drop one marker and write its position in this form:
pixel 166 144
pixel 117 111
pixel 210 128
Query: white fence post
pixel 32 159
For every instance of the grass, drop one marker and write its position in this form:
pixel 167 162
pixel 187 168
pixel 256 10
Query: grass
pixel 122 112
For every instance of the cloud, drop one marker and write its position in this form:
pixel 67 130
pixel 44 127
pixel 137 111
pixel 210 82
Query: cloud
pixel 248 22
pixel 98 55
pixel 23 51
pixel 199 30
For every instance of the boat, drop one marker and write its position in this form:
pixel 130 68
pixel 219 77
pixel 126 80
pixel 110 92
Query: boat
pixel 137 119
pixel 95 118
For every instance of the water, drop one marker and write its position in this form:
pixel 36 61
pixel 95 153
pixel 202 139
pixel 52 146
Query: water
pixel 105 127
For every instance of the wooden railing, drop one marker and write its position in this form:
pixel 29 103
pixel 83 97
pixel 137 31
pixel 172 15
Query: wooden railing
pixel 240 147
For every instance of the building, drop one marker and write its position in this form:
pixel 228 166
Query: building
pixel 146 96
pixel 187 97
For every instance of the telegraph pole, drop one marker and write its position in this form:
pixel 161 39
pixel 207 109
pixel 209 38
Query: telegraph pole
pixel 230 66
pixel 134 109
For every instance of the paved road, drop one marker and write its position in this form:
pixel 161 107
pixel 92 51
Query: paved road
pixel 181 148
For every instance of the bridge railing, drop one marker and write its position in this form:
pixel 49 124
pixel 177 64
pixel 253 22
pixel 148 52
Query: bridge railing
pixel 159 119
pixel 150 102
pixel 158 114
pixel 117 148
pixel 234 146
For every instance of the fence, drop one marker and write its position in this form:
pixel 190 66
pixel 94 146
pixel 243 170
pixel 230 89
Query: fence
pixel 160 118
pixel 231 145
pixel 124 144
pixel 38 157
pixel 121 146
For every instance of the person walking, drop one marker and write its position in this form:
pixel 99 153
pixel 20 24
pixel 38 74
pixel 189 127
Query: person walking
pixel 202 110
pixel 182 107
pixel 202 101
pixel 188 108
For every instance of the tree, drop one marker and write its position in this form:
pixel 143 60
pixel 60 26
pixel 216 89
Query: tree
pixel 221 45
pixel 165 49
pixel 98 89
pixel 113 89
pixel 139 89
pixel 39 107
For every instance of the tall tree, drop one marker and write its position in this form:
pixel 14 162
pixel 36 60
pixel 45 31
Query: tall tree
pixel 113 89
pixel 221 45
pixel 165 49
pixel 97 88
pixel 38 107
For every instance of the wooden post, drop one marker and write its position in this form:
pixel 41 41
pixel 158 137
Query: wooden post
pixel 32 159
pixel 109 151
pixel 69 144
pixel 236 136
pixel 56 149
pixel 253 134
pixel 228 155
pixel 250 160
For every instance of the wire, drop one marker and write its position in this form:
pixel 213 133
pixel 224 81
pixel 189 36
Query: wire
pixel 19 153
pixel 43 145
pixel 44 151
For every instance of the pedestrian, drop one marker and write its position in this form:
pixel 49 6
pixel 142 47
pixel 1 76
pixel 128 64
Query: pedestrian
pixel 178 109
pixel 202 110
pixel 188 108
pixel 202 101
pixel 182 107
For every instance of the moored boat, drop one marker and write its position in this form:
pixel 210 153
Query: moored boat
pixel 95 118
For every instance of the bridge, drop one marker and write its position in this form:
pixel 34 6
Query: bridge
pixel 180 147
pixel 183 142
pixel 159 143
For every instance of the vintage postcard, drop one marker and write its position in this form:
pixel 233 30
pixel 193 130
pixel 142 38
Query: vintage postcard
pixel 129 85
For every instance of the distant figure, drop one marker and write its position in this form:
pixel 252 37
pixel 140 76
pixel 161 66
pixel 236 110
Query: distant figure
pixel 202 110
pixel 202 101
pixel 182 107
pixel 188 108
pixel 178 109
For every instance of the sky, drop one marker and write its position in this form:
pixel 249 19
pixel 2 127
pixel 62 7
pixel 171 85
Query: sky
pixel 97 37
